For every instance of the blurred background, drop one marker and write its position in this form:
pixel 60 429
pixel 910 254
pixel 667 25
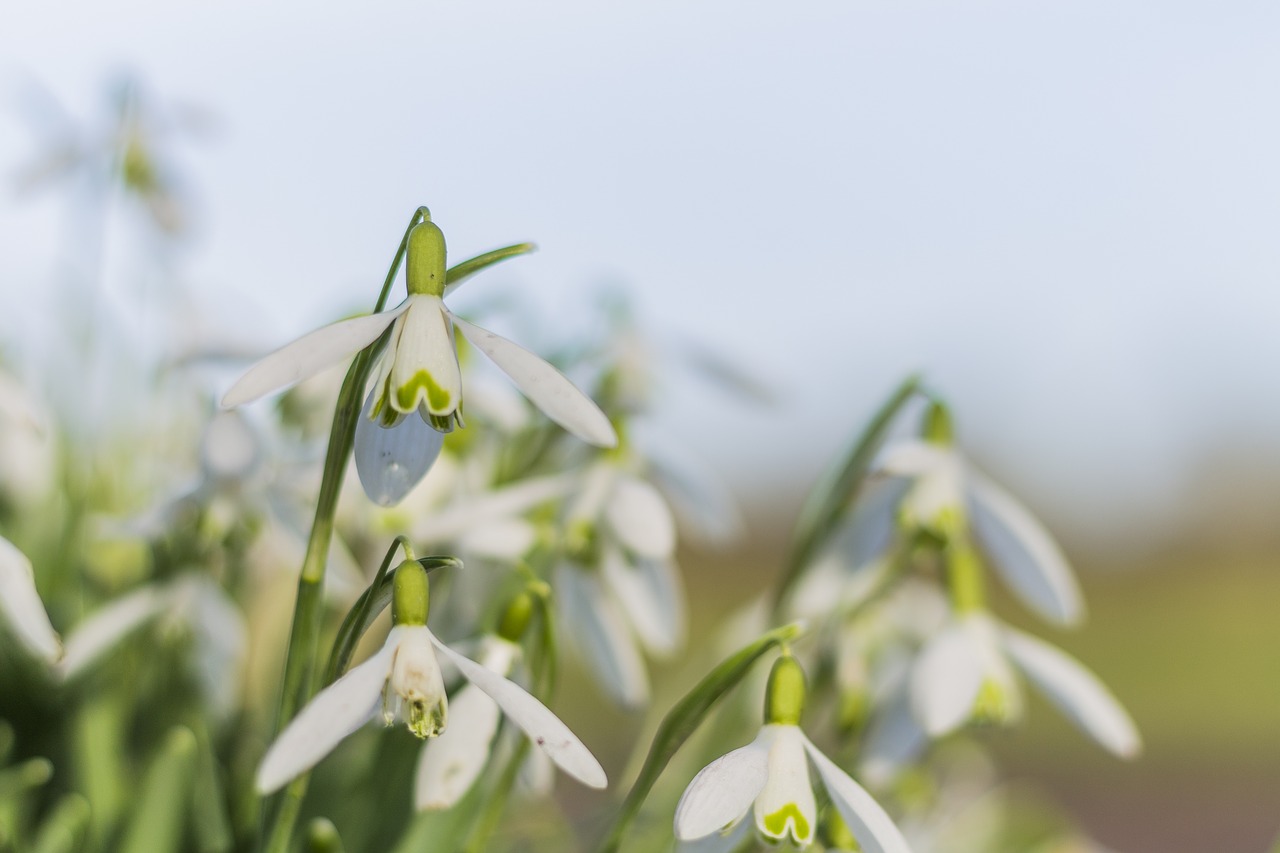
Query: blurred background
pixel 1064 215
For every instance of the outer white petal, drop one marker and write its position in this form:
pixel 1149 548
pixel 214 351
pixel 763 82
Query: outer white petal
pixel 538 722
pixel 946 679
pixel 391 461
pixel 914 457
pixel 869 823
pixel 309 355
pixel 450 763
pixel 733 840
pixel 425 345
pixel 1076 691
pixel 654 600
pixel 1024 553
pixel 600 633
pixel 787 796
pixel 546 387
pixel 641 519
pixel 22 606
pixel 450 524
pixel 334 713
pixel 894 740
pixel 221 639
pixel 723 791
pixel 502 539
pixel 108 625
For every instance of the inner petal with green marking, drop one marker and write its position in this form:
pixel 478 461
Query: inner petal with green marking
pixel 789 818
pixel 423 386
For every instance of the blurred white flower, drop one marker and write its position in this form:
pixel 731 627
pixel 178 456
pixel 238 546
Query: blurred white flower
pixel 966 671
pixel 946 492
pixel 770 776
pixel 404 679
pixel 26 445
pixel 619 588
pixel 21 605
pixel 192 604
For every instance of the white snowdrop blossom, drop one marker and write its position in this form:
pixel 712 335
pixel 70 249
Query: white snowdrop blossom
pixel 966 673
pixel 619 589
pixel 21 605
pixel 946 493
pixel 418 372
pixel 770 778
pixel 404 679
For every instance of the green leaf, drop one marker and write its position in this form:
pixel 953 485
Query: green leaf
pixel 829 501
pixel 208 806
pixel 157 823
pixel 64 830
pixel 684 719
pixel 459 273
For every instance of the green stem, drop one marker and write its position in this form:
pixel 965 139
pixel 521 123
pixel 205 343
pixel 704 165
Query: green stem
pixel 308 610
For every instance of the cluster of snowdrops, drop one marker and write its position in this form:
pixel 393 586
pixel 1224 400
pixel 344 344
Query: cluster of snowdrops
pixel 493 533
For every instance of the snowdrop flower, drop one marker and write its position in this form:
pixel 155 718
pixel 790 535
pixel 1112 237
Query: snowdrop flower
pixel 619 589
pixel 418 373
pixel 770 777
pixel 966 673
pixel 404 679
pixel 192 603
pixel 21 604
pixel 946 496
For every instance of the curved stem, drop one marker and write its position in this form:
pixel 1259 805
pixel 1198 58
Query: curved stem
pixel 308 609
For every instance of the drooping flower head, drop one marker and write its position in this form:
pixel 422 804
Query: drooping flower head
pixel 770 777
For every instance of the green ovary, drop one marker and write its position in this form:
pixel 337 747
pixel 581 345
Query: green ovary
pixel 438 399
pixel 776 824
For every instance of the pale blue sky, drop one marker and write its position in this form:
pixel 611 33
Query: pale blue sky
pixel 1067 214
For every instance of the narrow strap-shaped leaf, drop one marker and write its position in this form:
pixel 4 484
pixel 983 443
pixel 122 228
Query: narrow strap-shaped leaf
pixel 157 821
pixel 213 833
pixel 64 830
pixel 458 273
pixel 683 719
pixel 830 499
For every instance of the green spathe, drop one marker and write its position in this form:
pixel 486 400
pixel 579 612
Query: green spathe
pixel 412 594
pixel 425 260
pixel 784 696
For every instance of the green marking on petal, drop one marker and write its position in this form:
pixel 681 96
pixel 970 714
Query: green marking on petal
pixel 407 395
pixel 426 721
pixel 776 824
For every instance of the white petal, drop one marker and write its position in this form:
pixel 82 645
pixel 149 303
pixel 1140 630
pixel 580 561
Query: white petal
pixel 108 625
pixel 503 539
pixel 600 633
pixel 914 457
pixel 732 840
pixel 309 355
pixel 453 523
pixel 702 504
pixel 1076 691
pixel 869 823
pixel 655 602
pixel 543 727
pixel 724 790
pixel 785 807
pixel 221 639
pixel 894 740
pixel 1024 553
pixel 334 713
pixel 641 519
pixel 450 763
pixel 22 606
pixel 391 461
pixel 546 387
pixel 425 362
pixel 946 679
